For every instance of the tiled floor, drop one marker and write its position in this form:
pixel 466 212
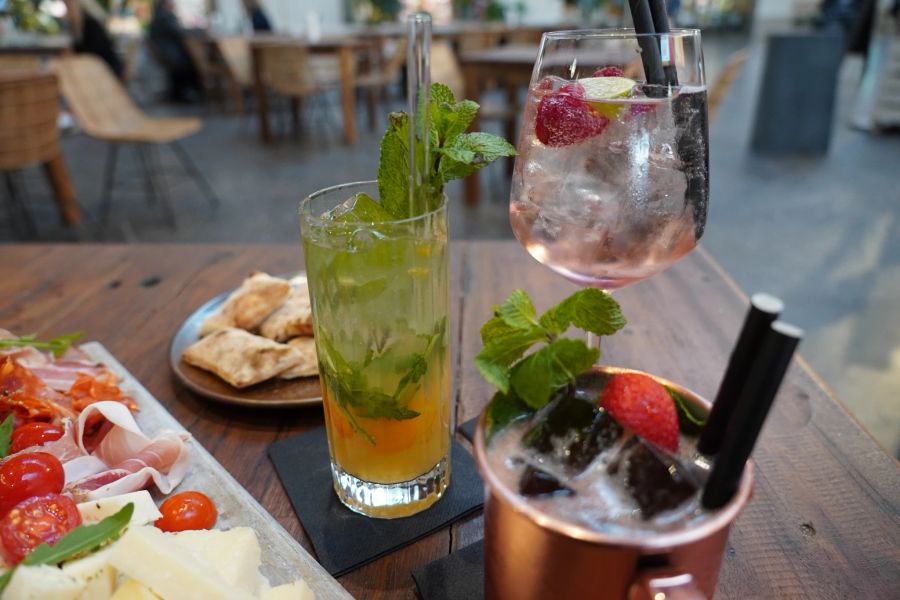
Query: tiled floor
pixel 821 233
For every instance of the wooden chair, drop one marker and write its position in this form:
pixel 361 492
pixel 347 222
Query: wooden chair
pixel 29 108
pixel 104 110
pixel 723 82
pixel 238 62
pixel 376 81
pixel 286 69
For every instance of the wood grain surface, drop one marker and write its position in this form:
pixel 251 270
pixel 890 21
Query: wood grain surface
pixel 823 522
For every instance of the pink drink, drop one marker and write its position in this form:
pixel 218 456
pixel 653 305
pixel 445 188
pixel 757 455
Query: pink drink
pixel 621 204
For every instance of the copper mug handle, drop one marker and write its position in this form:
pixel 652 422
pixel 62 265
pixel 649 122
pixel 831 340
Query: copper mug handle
pixel 660 584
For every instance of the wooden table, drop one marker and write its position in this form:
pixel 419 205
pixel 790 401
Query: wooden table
pixel 823 522
pixel 512 66
pixel 345 48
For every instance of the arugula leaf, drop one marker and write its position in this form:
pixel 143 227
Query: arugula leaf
pixel 82 539
pixel 57 345
pixel 6 435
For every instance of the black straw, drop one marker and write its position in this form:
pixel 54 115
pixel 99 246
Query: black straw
pixel 661 26
pixel 753 406
pixel 763 310
pixel 643 23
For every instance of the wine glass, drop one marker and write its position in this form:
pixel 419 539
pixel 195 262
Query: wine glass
pixel 611 180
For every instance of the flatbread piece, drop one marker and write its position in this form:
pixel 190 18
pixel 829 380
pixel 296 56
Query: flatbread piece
pixel 241 358
pixel 309 366
pixel 249 305
pixel 293 318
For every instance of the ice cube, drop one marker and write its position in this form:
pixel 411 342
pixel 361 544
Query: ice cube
pixel 657 481
pixel 602 435
pixel 361 208
pixel 564 417
pixel 535 482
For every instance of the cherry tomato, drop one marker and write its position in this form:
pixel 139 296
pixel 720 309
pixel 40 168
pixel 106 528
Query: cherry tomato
pixel 34 434
pixel 30 474
pixel 187 510
pixel 35 521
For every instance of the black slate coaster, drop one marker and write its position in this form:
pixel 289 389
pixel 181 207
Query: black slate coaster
pixel 459 576
pixel 344 540
pixel 467 429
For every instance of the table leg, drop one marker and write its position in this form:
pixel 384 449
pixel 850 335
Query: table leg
pixel 55 168
pixel 472 183
pixel 348 93
pixel 262 100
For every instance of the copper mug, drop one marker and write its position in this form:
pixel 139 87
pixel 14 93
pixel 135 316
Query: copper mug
pixel 533 556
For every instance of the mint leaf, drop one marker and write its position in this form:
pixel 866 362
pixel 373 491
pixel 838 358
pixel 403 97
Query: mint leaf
pixel 493 328
pixel 537 376
pixel 468 152
pixel 415 373
pixel 361 209
pixel 451 119
pixel 503 410
pixel 393 167
pixel 80 540
pixel 494 359
pixel 6 435
pixel 517 310
pixel 589 309
pixel 442 94
pixel 691 418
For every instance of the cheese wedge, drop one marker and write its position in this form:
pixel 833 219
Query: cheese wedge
pixel 145 510
pixel 94 571
pixel 134 590
pixel 297 590
pixel 235 554
pixel 42 582
pixel 162 564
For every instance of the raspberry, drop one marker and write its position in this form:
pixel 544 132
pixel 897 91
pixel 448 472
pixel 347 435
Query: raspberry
pixel 573 89
pixel 643 405
pixel 609 71
pixel 563 119
pixel 545 84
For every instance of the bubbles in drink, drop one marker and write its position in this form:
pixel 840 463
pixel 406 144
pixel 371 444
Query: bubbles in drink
pixel 609 205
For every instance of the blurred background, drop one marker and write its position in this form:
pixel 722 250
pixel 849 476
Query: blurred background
pixel 208 120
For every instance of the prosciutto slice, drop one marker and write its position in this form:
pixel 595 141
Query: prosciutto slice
pixel 126 460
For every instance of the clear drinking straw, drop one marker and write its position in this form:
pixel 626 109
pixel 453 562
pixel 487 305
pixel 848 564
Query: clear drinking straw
pixel 418 92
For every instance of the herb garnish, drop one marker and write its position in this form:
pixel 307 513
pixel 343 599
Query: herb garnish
pixel 527 384
pixel 57 345
pixel 6 429
pixel 80 540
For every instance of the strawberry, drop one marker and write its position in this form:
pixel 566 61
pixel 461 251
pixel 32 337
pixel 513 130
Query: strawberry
pixel 608 71
pixel 564 119
pixel 643 405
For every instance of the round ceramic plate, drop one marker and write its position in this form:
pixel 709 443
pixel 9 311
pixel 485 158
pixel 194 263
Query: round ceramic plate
pixel 272 393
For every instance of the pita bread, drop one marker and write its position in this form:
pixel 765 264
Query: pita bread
pixel 241 358
pixel 249 305
pixel 310 364
pixel 293 318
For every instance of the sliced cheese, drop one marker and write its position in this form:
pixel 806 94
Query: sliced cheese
pixel 297 590
pixel 95 572
pixel 42 582
pixel 145 510
pixel 234 553
pixel 168 568
pixel 134 590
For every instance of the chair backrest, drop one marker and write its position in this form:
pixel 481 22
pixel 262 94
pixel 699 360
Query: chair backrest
pixel 29 107
pixel 445 68
pixel 235 52
pixel 723 82
pixel 285 67
pixel 97 99
pixel 396 61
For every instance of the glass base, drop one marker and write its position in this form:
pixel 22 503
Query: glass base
pixel 389 501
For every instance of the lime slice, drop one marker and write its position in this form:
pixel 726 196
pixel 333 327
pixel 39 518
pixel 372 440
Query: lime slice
pixel 607 88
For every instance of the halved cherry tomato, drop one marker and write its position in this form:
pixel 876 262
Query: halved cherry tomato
pixel 35 521
pixel 29 474
pixel 33 434
pixel 187 510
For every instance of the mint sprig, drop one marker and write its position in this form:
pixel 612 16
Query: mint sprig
pixel 527 382
pixel 453 153
pixel 80 540
pixel 57 345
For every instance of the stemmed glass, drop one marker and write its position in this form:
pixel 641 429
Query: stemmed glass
pixel 611 180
